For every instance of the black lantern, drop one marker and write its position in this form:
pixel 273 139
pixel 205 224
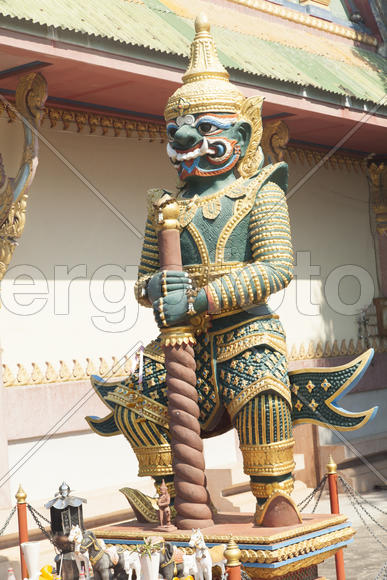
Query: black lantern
pixel 65 511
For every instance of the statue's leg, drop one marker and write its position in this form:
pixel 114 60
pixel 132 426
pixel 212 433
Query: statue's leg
pixel 151 443
pixel 255 389
pixel 141 415
pixel 265 433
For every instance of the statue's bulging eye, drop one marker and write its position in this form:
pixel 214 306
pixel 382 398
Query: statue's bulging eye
pixel 207 128
pixel 171 132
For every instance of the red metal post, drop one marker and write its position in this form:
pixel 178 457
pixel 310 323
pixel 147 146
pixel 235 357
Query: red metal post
pixel 21 497
pixel 232 554
pixel 334 500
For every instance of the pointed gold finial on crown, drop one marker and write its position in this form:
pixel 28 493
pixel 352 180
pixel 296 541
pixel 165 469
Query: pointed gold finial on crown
pixel 206 85
pixel 202 24
pixel 204 62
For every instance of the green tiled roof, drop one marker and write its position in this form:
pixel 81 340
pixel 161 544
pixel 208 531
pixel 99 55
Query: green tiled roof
pixel 132 23
pixel 150 24
pixel 292 65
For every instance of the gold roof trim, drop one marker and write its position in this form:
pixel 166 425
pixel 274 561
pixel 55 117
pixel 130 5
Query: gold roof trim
pixel 306 20
pixel 102 125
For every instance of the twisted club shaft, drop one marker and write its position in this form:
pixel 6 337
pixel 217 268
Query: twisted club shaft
pixel 192 501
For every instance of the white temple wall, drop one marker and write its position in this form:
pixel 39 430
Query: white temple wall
pixel 82 259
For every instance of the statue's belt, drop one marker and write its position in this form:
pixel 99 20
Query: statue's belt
pixel 220 345
pixel 228 320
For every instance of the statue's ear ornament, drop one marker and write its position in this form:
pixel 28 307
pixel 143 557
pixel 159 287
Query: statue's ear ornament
pixel 251 113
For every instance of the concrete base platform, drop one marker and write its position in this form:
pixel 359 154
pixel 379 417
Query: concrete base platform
pixel 289 552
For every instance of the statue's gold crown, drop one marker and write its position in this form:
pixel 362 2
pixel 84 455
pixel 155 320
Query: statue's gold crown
pixel 206 88
pixel 206 85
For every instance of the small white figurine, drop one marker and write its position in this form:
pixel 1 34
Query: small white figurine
pixel 207 558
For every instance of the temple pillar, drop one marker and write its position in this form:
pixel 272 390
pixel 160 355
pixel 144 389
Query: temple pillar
pixel 5 491
pixel 377 178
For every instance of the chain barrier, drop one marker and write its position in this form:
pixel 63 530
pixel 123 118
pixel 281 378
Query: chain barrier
pixel 317 490
pixel 36 515
pixel 363 499
pixel 9 518
pixel 352 495
pixel 357 502
pixel 382 574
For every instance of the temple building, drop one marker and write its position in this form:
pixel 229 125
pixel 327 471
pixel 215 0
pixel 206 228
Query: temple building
pixel 68 309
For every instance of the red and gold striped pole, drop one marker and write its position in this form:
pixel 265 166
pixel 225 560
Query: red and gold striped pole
pixel 21 497
pixel 334 500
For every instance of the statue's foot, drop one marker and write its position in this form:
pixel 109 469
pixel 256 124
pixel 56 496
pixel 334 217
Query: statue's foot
pixel 145 508
pixel 278 510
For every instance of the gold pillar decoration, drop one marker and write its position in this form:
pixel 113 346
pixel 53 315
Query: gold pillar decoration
pixel 377 178
pixel 31 94
pixel 377 175
pixel 274 140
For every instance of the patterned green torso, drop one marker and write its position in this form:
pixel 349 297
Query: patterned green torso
pixel 237 247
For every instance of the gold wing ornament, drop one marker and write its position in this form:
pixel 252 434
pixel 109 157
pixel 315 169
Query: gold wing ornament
pixel 251 112
pixel 31 95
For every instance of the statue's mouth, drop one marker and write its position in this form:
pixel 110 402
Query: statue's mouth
pixel 199 150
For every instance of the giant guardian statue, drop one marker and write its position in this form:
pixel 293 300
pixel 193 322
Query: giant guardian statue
pixel 236 251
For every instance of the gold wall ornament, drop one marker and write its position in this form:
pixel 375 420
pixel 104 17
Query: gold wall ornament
pixel 90 368
pixel 22 376
pixel 104 368
pixel 50 375
pixel 64 371
pixel 377 178
pixel 77 373
pixel 8 378
pixel 36 375
pixel 155 131
pixel 311 155
pixel 31 94
pixel 275 140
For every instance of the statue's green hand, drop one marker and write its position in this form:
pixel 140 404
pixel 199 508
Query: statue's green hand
pixel 201 302
pixel 167 281
pixel 171 309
